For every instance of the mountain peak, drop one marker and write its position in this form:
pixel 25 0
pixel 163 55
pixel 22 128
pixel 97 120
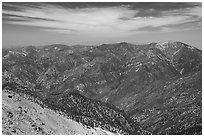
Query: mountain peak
pixel 173 44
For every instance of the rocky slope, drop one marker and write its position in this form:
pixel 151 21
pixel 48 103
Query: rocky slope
pixel 21 115
pixel 155 84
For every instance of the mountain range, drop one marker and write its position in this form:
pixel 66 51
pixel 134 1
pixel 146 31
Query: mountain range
pixel 123 88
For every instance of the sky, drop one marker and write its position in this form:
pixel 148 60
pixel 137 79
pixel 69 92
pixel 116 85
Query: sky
pixel 86 23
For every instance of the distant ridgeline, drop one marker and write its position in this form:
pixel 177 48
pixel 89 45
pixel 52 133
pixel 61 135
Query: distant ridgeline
pixel 128 89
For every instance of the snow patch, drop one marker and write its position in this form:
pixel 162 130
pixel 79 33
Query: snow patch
pixel 190 47
pixel 138 64
pixel 176 52
pixel 162 45
pixel 137 70
pixel 181 72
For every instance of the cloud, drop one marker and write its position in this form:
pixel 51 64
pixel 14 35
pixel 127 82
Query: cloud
pixel 112 20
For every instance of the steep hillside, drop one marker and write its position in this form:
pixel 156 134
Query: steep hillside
pixel 21 115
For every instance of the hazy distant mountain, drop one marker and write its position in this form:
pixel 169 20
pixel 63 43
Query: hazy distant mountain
pixel 124 88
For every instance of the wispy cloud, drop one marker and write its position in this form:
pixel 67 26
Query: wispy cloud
pixel 113 20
